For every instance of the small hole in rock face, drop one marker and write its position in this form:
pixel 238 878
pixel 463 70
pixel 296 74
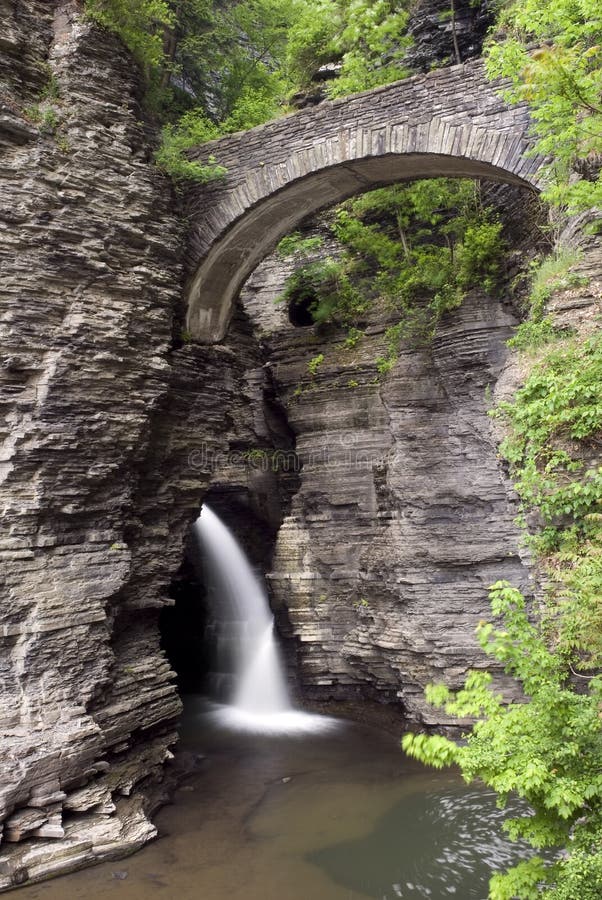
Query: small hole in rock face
pixel 299 310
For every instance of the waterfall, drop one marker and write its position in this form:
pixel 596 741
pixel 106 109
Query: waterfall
pixel 241 608
pixel 246 642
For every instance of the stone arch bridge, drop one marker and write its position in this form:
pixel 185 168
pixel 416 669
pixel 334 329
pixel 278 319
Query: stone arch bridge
pixel 450 122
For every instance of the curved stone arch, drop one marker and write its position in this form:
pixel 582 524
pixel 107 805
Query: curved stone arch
pixel 449 123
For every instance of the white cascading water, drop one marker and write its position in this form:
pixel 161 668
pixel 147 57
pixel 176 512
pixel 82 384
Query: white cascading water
pixel 260 699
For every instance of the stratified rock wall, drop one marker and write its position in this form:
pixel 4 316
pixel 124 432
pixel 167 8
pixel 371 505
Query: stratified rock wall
pixel 403 517
pixel 113 428
pixel 445 32
pixel 89 254
pixel 90 277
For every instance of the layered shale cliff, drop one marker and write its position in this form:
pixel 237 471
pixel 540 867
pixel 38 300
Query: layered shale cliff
pixel 404 513
pixel 403 516
pixel 102 407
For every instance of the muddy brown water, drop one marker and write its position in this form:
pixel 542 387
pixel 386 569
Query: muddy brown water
pixel 336 816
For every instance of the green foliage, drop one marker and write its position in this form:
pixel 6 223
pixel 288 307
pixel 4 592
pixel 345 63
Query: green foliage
pixel 416 247
pixel 62 142
pixel 314 364
pixel 547 751
pixel 190 131
pixel 139 23
pixel 555 423
pixel 548 275
pixel 558 409
pixel 354 336
pixel 311 40
pixel 393 338
pixel 361 604
pixel 325 284
pixel 534 334
pixel 51 90
pixel 431 241
pixel 372 44
pixel 478 256
pixel 581 876
pixel 295 243
pixel 45 117
pixel 574 606
pixel 551 274
pixel 231 55
pixel 368 38
pixel 211 69
pixel 561 83
pixel 226 75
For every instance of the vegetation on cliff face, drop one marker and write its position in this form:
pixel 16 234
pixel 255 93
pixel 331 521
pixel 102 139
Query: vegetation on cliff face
pixel 367 40
pixel 211 68
pixel 415 248
pixel 548 750
pixel 561 81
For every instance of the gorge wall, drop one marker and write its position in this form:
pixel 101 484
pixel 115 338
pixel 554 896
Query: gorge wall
pixel 403 516
pixel 101 410
pixel 381 500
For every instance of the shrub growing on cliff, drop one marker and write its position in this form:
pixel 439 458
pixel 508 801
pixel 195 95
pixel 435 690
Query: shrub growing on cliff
pixel 368 39
pixel 552 419
pixel 211 69
pixel 549 748
pixel 140 24
pixel 552 273
pixel 418 248
pixel 191 131
pixel 296 244
pixel 555 424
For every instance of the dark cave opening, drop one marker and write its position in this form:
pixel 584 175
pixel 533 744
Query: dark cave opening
pixel 300 309
pixel 184 627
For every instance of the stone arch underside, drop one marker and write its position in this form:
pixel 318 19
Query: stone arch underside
pixel 449 123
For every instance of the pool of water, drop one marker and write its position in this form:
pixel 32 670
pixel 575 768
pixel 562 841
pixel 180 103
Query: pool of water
pixel 340 815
